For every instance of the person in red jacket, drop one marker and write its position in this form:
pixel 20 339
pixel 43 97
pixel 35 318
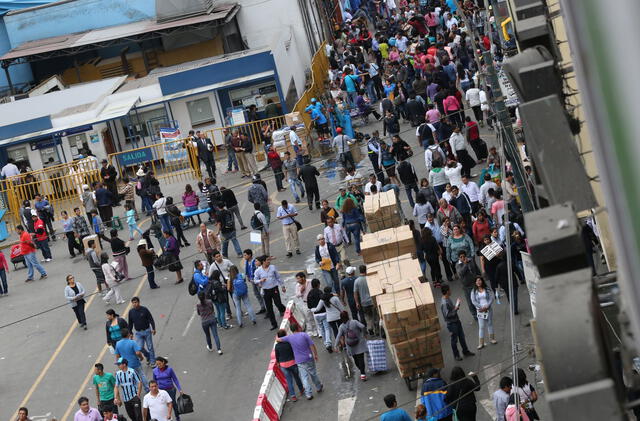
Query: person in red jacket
pixel 273 157
pixel 41 238
pixel 28 250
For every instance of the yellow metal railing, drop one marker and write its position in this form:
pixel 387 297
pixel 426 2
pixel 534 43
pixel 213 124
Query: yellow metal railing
pixel 317 88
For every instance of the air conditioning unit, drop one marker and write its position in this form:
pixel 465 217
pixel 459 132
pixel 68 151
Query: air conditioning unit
pixel 13 98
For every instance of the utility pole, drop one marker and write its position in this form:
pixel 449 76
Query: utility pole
pixel 510 144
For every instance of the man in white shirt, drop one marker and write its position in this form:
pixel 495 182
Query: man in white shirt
pixel 336 235
pixel 10 170
pixel 484 196
pixel 473 98
pixel 286 214
pixel 459 147
pixel 473 191
pixel 157 404
pixel 373 181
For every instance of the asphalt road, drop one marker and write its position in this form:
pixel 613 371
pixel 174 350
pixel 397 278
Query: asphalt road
pixel 46 361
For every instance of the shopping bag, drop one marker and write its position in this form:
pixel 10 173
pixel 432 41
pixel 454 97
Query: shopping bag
pixel 377 355
pixel 185 404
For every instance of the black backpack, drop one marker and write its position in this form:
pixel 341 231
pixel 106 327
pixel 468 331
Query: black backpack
pixel 256 223
pixel 226 219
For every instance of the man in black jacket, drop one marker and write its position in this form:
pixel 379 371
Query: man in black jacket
pixel 460 200
pixel 408 176
pixel 308 174
pixel 231 203
pixel 205 153
pixel 109 175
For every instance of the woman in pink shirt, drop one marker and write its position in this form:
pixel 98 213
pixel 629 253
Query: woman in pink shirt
pixel 451 107
pixel 190 201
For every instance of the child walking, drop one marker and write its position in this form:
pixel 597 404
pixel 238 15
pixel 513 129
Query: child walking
pixel 131 221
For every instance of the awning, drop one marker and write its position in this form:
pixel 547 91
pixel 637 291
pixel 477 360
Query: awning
pixel 117 109
pixel 98 38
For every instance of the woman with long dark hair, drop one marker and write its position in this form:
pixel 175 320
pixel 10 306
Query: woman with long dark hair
pixel 482 298
pixel 352 220
pixel 527 395
pixel 74 293
pixel 460 394
pixel 207 315
pixel 432 252
pixel 332 304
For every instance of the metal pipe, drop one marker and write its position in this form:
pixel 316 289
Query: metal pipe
pixel 5 66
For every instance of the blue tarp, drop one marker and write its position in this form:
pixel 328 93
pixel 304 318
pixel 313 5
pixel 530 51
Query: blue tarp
pixel 8 5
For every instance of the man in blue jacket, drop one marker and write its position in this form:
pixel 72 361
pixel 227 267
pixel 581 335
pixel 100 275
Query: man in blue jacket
pixel 329 260
pixel 434 389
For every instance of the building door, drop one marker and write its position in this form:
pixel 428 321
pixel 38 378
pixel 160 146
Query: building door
pixel 107 139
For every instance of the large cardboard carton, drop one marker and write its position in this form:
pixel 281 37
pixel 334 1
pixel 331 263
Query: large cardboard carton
pixel 96 240
pixel 387 243
pixel 408 306
pixel 293 119
pixel 393 274
pixel 381 211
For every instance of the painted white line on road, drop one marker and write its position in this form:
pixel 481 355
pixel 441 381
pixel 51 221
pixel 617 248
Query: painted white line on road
pixel 345 408
pixel 186 329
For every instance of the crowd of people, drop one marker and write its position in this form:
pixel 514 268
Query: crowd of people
pixel 415 59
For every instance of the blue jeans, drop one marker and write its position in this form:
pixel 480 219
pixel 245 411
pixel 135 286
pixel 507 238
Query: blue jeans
pixel 165 223
pixel 140 372
pixel 308 374
pixel 147 205
pixel 371 90
pixel 354 228
pixel 408 190
pixel 32 262
pixel 238 302
pixel 232 160
pixel 43 245
pixel 144 339
pixel 210 328
pixel 132 229
pixel 4 289
pixel 291 374
pixel 439 190
pixel 331 279
pixel 230 236
pixel 293 183
pixel 325 329
pixel 221 309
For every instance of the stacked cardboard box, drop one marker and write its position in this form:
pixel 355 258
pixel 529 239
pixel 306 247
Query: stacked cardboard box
pixel 411 322
pixel 388 243
pixel 381 211
pixel 405 303
pixel 392 274
pixel 293 119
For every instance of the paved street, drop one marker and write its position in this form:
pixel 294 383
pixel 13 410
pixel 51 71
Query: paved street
pixel 46 362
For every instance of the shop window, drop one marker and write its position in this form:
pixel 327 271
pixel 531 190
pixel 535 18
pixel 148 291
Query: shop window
pixel 200 111
pixel 78 143
pixel 49 156
pixel 20 156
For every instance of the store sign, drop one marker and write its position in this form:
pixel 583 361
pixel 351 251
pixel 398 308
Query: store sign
pixel 135 157
pixel 49 143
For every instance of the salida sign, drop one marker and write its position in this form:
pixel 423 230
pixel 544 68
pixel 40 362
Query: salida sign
pixel 135 157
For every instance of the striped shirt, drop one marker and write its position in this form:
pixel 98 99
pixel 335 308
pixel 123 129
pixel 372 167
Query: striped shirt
pixel 128 382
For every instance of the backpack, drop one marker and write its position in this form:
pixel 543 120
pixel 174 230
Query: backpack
pixel 192 288
pixel 218 291
pixel 256 223
pixel 240 286
pixel 351 337
pixel 228 224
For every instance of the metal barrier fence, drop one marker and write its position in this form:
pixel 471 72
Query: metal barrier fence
pixel 318 88
pixel 176 160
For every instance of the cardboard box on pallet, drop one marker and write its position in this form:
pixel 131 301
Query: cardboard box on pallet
pixel 407 306
pixel 408 330
pixel 392 274
pixel 381 211
pixel 387 243
pixel 293 119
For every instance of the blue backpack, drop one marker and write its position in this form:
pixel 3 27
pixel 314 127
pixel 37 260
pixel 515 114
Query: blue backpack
pixel 240 286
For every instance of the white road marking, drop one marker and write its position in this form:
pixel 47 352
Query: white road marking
pixel 345 408
pixel 186 329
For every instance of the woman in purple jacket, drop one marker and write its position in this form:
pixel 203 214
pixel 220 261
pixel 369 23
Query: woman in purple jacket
pixel 167 381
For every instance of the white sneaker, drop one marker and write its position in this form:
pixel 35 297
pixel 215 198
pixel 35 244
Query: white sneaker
pixel 209 348
pixel 219 352
pixel 47 260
